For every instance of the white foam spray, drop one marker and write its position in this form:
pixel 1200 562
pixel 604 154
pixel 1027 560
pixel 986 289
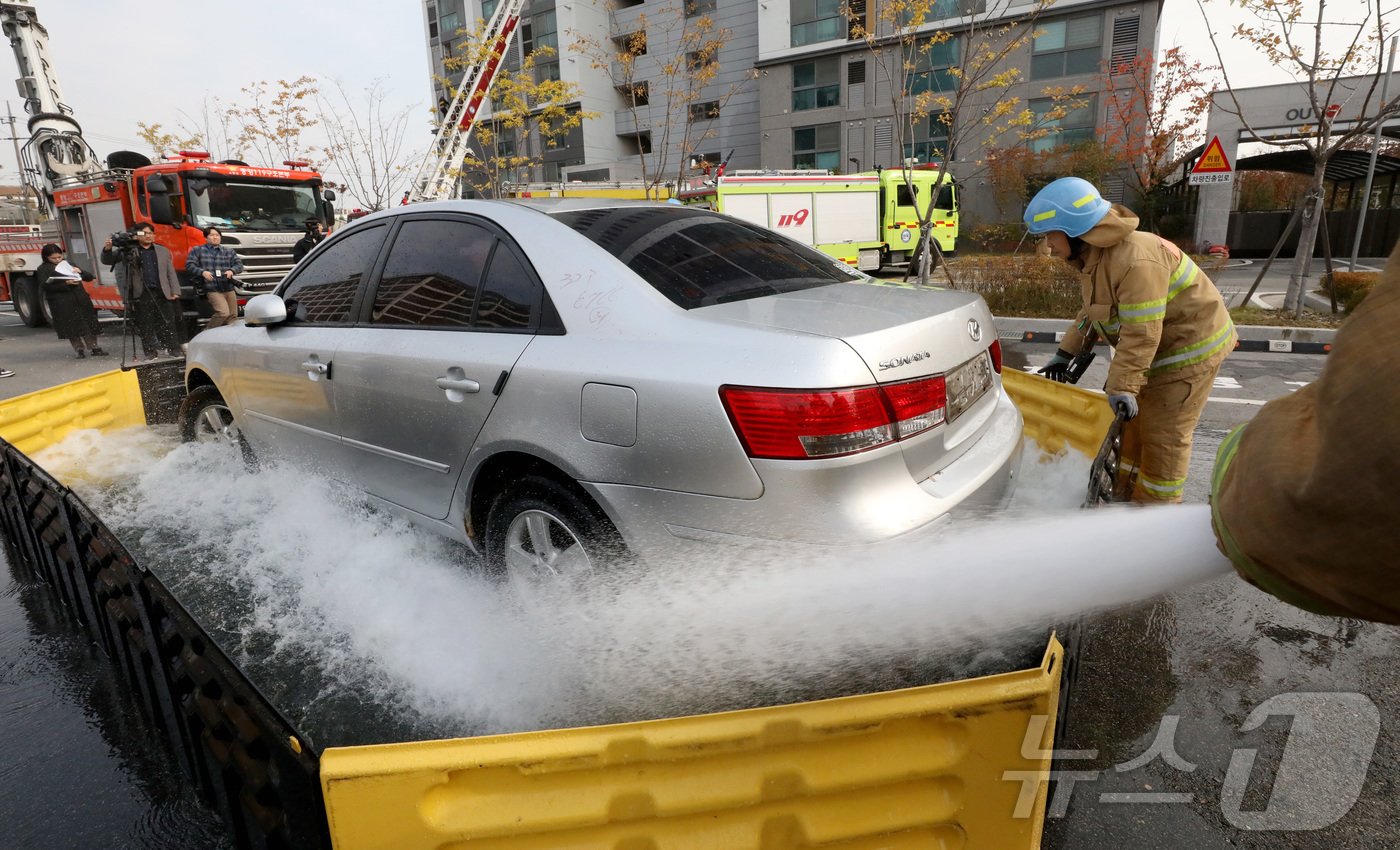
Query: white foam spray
pixel 329 603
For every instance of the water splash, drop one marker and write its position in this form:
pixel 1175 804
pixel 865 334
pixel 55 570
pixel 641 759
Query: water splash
pixel 366 628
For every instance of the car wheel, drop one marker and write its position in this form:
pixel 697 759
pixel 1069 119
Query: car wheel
pixel 29 303
pixel 206 418
pixel 540 530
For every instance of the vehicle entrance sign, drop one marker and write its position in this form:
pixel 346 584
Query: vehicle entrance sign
pixel 1213 166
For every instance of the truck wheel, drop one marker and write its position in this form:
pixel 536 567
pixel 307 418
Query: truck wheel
pixel 540 530
pixel 205 418
pixel 29 302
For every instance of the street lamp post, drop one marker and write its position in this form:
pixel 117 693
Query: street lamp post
pixel 1375 151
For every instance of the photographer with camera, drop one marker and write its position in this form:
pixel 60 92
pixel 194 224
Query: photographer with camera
pixel 212 267
pixel 315 232
pixel 148 286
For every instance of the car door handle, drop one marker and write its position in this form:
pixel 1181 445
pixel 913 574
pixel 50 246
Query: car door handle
pixel 316 366
pixel 461 385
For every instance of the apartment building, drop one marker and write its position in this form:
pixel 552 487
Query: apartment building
pixel 827 102
pixel 805 93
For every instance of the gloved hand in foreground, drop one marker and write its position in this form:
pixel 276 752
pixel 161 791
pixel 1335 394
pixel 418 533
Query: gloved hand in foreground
pixel 1124 402
pixel 1057 368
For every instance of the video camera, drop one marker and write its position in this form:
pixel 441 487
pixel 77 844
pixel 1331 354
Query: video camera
pixel 123 239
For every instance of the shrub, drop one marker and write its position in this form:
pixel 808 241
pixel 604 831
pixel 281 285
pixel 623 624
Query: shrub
pixel 994 237
pixel 1021 285
pixel 1353 287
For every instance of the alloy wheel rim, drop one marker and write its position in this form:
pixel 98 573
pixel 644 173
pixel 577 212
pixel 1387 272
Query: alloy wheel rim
pixel 541 547
pixel 215 425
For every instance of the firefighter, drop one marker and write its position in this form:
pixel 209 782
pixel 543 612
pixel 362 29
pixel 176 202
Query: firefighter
pixel 1305 496
pixel 1166 319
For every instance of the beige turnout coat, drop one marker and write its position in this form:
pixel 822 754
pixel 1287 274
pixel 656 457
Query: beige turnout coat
pixel 1164 317
pixel 1306 496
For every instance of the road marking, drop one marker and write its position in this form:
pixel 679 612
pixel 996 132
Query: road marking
pixel 1238 400
pixel 1225 382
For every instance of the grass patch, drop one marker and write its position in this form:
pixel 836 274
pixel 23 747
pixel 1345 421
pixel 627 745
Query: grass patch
pixel 1284 318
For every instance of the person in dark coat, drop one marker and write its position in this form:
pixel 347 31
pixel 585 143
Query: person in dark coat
pixel 74 317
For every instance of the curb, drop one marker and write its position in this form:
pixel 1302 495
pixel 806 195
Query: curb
pixel 1260 338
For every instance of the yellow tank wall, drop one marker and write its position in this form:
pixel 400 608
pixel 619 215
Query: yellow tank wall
pixel 1059 415
pixel 39 419
pixel 923 767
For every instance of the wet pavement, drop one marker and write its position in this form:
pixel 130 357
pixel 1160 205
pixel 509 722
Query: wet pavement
pixel 1273 728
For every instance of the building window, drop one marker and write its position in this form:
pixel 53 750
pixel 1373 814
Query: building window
pixel 1069 46
pixel 546 31
pixel 634 43
pixel 432 22
pixel 931 72
pixel 1073 128
pixel 816 85
pixel 636 94
pixel 704 111
pixel 929 141
pixel 818 146
pixel 488 8
pixel 699 60
pixel 816 20
pixel 696 8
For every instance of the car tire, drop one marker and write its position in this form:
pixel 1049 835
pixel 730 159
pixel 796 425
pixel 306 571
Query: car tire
pixel 29 302
pixel 539 529
pixel 206 418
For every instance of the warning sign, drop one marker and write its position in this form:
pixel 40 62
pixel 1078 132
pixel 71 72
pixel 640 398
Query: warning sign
pixel 1212 167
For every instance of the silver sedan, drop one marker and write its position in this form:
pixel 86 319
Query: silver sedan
pixel 557 383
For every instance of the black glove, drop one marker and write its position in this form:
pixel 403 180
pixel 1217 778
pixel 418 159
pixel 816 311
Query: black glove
pixel 1124 403
pixel 1057 368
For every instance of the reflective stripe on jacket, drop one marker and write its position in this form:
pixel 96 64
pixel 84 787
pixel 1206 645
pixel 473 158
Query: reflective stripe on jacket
pixel 1147 298
pixel 1305 496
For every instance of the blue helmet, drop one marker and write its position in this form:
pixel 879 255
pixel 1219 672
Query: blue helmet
pixel 1070 204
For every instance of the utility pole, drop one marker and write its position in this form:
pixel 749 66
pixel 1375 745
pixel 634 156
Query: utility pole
pixel 19 166
pixel 1375 151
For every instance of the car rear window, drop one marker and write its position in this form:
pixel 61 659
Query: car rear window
pixel 697 258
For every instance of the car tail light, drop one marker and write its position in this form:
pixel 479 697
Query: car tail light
pixel 996 356
pixel 788 424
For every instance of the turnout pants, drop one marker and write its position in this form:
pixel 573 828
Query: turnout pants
pixel 1157 444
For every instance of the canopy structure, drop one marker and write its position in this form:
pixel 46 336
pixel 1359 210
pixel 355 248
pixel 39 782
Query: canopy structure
pixel 1343 166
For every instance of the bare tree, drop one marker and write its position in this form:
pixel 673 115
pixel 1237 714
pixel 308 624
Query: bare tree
pixel 366 144
pixel 213 124
pixel 951 88
pixel 274 118
pixel 669 75
pixel 1291 39
pixel 1156 111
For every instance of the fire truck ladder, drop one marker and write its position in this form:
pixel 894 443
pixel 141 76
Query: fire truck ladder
pixel 56 149
pixel 437 177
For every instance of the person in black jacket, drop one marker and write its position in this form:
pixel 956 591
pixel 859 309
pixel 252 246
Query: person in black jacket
pixel 74 317
pixel 315 232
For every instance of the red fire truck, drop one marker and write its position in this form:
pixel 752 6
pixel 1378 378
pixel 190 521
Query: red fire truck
pixel 262 212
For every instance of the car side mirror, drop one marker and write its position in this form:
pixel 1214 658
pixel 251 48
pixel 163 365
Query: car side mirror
pixel 156 185
pixel 329 194
pixel 264 311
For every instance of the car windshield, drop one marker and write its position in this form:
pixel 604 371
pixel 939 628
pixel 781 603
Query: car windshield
pixel 697 258
pixel 244 205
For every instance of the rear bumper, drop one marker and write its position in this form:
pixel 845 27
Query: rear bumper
pixel 867 501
